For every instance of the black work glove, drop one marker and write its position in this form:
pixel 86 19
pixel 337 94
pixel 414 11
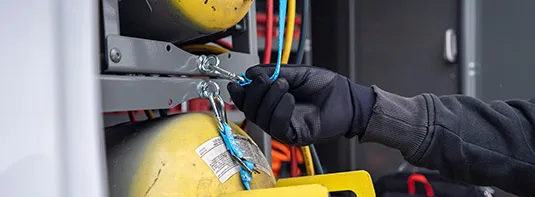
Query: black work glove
pixel 305 104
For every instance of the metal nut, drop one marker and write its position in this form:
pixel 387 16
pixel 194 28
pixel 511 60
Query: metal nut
pixel 202 64
pixel 207 64
pixel 115 55
pixel 208 88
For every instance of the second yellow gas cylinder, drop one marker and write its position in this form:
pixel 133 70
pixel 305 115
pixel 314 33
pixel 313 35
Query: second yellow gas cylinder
pixel 180 155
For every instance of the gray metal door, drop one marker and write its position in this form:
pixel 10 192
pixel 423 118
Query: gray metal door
pixel 500 65
pixel 506 44
pixel 397 45
pixel 401 45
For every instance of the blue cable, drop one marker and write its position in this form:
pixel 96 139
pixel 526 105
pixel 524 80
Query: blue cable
pixel 228 138
pixel 282 24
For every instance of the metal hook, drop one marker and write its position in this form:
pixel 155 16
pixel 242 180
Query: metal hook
pixel 219 109
pixel 242 163
pixel 210 64
pixel 205 65
pixel 210 90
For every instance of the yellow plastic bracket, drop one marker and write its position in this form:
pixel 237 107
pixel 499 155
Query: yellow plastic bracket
pixel 311 190
pixel 359 182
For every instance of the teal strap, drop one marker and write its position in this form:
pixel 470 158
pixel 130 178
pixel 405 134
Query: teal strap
pixel 226 134
pixel 235 151
pixel 282 25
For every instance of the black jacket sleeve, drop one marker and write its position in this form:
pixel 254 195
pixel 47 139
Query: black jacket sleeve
pixel 465 139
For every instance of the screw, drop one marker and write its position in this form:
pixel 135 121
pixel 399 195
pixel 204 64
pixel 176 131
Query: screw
pixel 115 55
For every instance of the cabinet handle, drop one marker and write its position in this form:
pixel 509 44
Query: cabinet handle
pixel 450 46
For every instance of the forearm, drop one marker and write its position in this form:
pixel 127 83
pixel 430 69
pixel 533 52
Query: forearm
pixel 463 138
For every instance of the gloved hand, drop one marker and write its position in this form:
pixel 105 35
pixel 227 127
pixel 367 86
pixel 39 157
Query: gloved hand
pixel 305 104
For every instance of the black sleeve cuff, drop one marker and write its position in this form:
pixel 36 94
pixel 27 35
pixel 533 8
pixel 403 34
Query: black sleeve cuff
pixel 398 122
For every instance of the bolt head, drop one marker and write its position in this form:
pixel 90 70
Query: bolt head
pixel 115 55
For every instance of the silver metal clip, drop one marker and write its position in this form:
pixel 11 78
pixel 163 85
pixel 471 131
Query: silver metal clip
pixel 210 90
pixel 240 161
pixel 210 64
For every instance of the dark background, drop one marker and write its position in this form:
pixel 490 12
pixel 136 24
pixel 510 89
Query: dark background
pixel 399 46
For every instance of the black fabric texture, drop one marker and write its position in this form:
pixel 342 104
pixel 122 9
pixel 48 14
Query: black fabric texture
pixel 305 104
pixel 465 139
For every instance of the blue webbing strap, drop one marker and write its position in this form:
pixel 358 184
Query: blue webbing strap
pixel 226 134
pixel 282 21
pixel 235 151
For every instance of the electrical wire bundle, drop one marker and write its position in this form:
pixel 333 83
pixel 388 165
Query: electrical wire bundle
pixel 309 153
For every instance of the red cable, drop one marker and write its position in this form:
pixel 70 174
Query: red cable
pixel 293 162
pixel 261 18
pixel 419 178
pixel 261 32
pixel 132 116
pixel 269 32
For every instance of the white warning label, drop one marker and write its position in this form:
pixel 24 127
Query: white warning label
pixel 217 157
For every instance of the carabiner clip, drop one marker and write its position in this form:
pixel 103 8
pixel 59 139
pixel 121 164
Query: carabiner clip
pixel 210 64
pixel 210 90
pixel 219 110
pixel 249 169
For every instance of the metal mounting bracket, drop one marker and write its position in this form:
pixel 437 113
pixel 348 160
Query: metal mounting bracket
pixel 123 93
pixel 155 57
pixel 127 55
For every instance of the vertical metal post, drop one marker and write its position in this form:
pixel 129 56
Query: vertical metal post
pixel 352 38
pixel 52 141
pixel 247 42
pixel 308 39
pixel 352 64
pixel 31 163
pixel 110 10
pixel 81 126
pixel 470 63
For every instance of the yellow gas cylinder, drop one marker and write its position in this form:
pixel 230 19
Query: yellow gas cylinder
pixel 179 20
pixel 180 155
